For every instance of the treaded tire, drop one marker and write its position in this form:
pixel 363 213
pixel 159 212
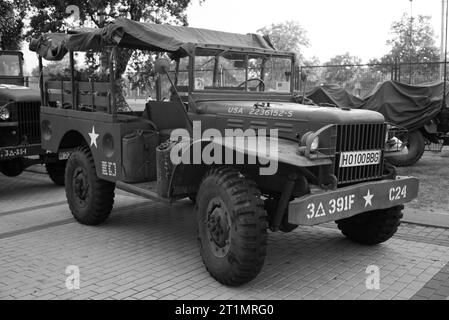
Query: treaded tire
pixel 416 146
pixel 371 228
pixel 247 230
pixel 56 172
pixel 95 205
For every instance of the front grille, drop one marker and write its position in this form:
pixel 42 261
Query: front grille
pixel 29 124
pixel 359 137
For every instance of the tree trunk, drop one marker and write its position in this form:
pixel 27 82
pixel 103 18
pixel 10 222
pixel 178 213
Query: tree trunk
pixel 122 59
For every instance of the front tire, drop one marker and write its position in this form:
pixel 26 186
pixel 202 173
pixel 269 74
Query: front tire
pixel 232 226
pixel 371 228
pixel 56 172
pixel 90 198
pixel 13 167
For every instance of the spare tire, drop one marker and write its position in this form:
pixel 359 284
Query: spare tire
pixel 415 149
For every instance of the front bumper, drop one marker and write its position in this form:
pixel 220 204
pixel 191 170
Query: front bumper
pixel 325 206
pixel 20 151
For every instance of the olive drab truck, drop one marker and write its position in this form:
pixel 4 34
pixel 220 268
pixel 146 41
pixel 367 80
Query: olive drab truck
pixel 20 140
pixel 321 164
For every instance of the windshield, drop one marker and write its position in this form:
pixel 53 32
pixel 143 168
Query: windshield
pixel 227 70
pixel 9 65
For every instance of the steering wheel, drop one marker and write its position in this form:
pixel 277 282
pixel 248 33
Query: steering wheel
pixel 261 83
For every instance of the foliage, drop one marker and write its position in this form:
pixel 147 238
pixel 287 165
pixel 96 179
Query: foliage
pixel 287 36
pixel 347 71
pixel 422 48
pixel 49 15
pixel 12 13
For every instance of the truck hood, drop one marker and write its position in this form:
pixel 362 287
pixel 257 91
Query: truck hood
pixel 290 112
pixel 12 92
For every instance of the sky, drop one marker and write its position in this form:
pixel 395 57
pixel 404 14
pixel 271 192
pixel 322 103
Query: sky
pixel 359 27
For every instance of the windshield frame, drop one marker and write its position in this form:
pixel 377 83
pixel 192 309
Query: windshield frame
pixel 19 55
pixel 269 54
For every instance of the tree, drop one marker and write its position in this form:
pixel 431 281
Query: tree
pixel 49 15
pixel 422 46
pixel 11 24
pixel 413 41
pixel 287 36
pixel 341 69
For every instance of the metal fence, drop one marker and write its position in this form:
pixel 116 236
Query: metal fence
pixel 362 79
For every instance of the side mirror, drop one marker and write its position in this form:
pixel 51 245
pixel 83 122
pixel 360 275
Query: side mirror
pixel 303 76
pixel 161 65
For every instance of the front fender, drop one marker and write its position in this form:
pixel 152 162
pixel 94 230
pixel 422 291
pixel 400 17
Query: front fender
pixel 281 150
pixel 189 163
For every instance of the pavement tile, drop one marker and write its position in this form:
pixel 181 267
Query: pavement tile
pixel 150 252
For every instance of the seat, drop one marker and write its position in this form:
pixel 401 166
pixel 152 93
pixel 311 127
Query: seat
pixel 167 116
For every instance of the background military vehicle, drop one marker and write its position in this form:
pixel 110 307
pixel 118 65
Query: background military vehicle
pixel 330 160
pixel 20 140
pixel 419 109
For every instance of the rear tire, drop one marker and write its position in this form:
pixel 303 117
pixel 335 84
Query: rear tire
pixel 371 228
pixel 56 172
pixel 415 145
pixel 90 198
pixel 232 226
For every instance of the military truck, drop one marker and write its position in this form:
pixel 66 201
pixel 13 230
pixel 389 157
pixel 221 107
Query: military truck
pixel 20 140
pixel 330 161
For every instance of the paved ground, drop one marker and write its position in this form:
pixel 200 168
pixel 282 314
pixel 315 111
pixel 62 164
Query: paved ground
pixel 148 250
pixel 432 205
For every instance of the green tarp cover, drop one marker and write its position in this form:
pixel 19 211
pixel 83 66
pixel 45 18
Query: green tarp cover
pixel 146 36
pixel 410 106
pixel 334 94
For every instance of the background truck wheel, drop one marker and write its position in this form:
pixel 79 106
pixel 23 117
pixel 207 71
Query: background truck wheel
pixel 90 198
pixel 12 168
pixel 56 172
pixel 373 227
pixel 415 149
pixel 232 226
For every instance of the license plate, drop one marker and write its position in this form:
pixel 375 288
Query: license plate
pixel 64 155
pixel 13 152
pixel 359 158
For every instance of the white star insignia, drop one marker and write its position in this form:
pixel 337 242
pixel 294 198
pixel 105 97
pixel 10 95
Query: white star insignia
pixel 93 138
pixel 368 199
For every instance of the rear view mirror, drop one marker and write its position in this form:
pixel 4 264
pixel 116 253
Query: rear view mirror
pixel 240 64
pixel 161 65
pixel 303 76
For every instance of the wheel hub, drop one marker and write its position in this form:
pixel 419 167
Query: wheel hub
pixel 218 227
pixel 80 185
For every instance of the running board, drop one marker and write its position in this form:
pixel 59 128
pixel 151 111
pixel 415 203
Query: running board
pixel 144 189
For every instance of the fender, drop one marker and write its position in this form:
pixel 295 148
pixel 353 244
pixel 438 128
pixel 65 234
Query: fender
pixel 285 152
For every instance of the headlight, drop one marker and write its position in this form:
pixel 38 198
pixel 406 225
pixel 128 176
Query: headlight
pixel 315 143
pixel 307 138
pixel 4 113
